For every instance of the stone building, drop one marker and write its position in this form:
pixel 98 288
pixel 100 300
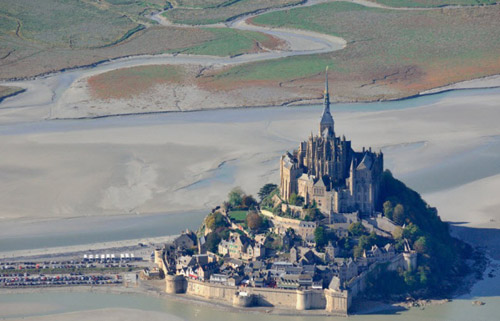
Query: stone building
pixel 186 240
pixel 325 169
pixel 241 247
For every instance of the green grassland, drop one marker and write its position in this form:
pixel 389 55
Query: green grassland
pixel 49 35
pixel 432 3
pixel 220 11
pixel 227 42
pixel 238 216
pixel 202 3
pixel 279 69
pixel 416 46
pixel 63 23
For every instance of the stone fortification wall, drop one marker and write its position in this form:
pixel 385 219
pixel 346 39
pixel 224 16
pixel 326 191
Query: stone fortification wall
pixel 279 219
pixel 275 297
pixel 226 294
pixel 338 301
pixel 331 301
pixel 211 291
pixel 310 299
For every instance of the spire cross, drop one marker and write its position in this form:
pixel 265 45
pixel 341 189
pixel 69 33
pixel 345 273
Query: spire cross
pixel 326 81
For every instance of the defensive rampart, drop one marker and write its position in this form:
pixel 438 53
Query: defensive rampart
pixel 307 299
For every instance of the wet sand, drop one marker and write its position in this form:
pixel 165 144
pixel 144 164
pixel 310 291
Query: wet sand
pixel 106 314
pixel 163 163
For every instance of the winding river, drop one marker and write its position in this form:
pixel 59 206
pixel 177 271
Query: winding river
pixel 44 92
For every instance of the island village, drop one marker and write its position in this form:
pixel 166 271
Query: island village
pixel 300 246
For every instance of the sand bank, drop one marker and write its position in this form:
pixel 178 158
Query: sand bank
pixel 162 163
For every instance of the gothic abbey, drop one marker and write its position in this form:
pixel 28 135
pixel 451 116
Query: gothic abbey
pixel 248 267
pixel 325 169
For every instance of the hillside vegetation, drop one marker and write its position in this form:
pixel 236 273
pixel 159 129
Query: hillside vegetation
pixel 441 258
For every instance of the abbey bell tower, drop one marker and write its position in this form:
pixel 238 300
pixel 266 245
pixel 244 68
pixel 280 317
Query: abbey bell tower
pixel 326 124
pixel 325 169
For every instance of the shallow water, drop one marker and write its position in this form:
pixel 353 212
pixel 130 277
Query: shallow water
pixel 85 230
pixel 460 309
pixel 229 115
pixel 483 161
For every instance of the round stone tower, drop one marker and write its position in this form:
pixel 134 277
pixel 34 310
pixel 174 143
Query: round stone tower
pixel 303 300
pixel 410 260
pixel 242 300
pixel 174 284
pixel 337 302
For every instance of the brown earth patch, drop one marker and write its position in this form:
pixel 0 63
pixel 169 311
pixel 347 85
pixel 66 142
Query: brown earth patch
pixel 127 83
pixel 443 73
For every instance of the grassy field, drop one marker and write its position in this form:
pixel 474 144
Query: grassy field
pixel 43 36
pixel 24 59
pixel 238 216
pixel 432 3
pixel 63 23
pixel 201 4
pixel 128 82
pixel 408 51
pixel 219 11
pixel 229 42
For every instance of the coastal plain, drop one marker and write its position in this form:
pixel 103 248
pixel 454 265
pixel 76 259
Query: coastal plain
pixel 388 52
pixel 66 165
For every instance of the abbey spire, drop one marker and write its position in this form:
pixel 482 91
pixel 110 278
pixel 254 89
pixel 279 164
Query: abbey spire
pixel 325 170
pixel 326 123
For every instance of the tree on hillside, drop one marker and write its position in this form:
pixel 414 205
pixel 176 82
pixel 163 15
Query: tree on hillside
pixel 248 201
pixel 411 232
pixel 215 220
pixel 254 220
pixel 399 214
pixel 421 245
pixel 313 214
pixel 296 200
pixel 266 190
pixel 356 229
pixel 235 197
pixel 388 209
pixel 365 242
pixel 442 258
pixel 320 236
pixel 212 242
